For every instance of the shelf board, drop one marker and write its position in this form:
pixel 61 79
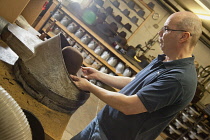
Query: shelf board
pixel 86 47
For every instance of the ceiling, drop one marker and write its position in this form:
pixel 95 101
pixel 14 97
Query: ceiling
pixel 197 8
pixel 201 7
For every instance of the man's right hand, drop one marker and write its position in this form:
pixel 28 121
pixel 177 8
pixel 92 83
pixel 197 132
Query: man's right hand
pixel 90 73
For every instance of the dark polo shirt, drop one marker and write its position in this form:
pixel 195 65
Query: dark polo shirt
pixel 165 88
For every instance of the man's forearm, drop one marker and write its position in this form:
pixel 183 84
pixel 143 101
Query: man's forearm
pixel 126 104
pixel 113 99
pixel 114 81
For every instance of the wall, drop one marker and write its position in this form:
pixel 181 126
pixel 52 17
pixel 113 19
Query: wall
pixel 11 9
pixel 148 31
pixel 32 10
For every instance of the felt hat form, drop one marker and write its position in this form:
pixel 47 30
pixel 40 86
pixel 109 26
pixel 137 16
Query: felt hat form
pixel 72 58
pixel 131 4
pixel 128 26
pixel 116 3
pixel 109 10
pixel 141 13
pixel 99 2
pixel 113 26
pixel 107 29
pixel 118 18
pixel 126 12
pixel 134 19
pixel 122 34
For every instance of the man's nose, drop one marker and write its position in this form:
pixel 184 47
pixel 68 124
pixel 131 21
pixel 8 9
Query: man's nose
pixel 160 33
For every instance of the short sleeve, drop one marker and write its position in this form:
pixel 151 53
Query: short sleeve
pixel 163 92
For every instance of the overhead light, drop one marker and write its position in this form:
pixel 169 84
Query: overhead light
pixel 202 5
pixel 205 5
pixel 203 16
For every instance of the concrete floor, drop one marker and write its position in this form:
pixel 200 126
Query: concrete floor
pixel 81 118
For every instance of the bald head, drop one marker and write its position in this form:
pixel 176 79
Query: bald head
pixel 190 22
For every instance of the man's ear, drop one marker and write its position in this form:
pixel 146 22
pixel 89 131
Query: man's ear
pixel 185 36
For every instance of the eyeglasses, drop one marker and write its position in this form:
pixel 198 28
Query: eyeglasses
pixel 165 28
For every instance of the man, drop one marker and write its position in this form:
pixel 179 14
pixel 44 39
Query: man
pixel 147 103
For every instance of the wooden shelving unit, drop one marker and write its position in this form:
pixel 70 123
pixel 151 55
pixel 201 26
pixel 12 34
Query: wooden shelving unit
pixel 47 17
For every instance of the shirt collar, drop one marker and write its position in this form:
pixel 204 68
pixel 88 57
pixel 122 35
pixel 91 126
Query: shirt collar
pixel 175 63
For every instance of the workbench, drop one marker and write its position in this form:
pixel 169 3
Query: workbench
pixel 53 122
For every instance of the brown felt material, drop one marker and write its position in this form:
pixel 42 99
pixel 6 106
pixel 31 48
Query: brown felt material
pixel 73 59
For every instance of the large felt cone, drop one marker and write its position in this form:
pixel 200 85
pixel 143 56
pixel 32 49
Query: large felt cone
pixel 46 78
